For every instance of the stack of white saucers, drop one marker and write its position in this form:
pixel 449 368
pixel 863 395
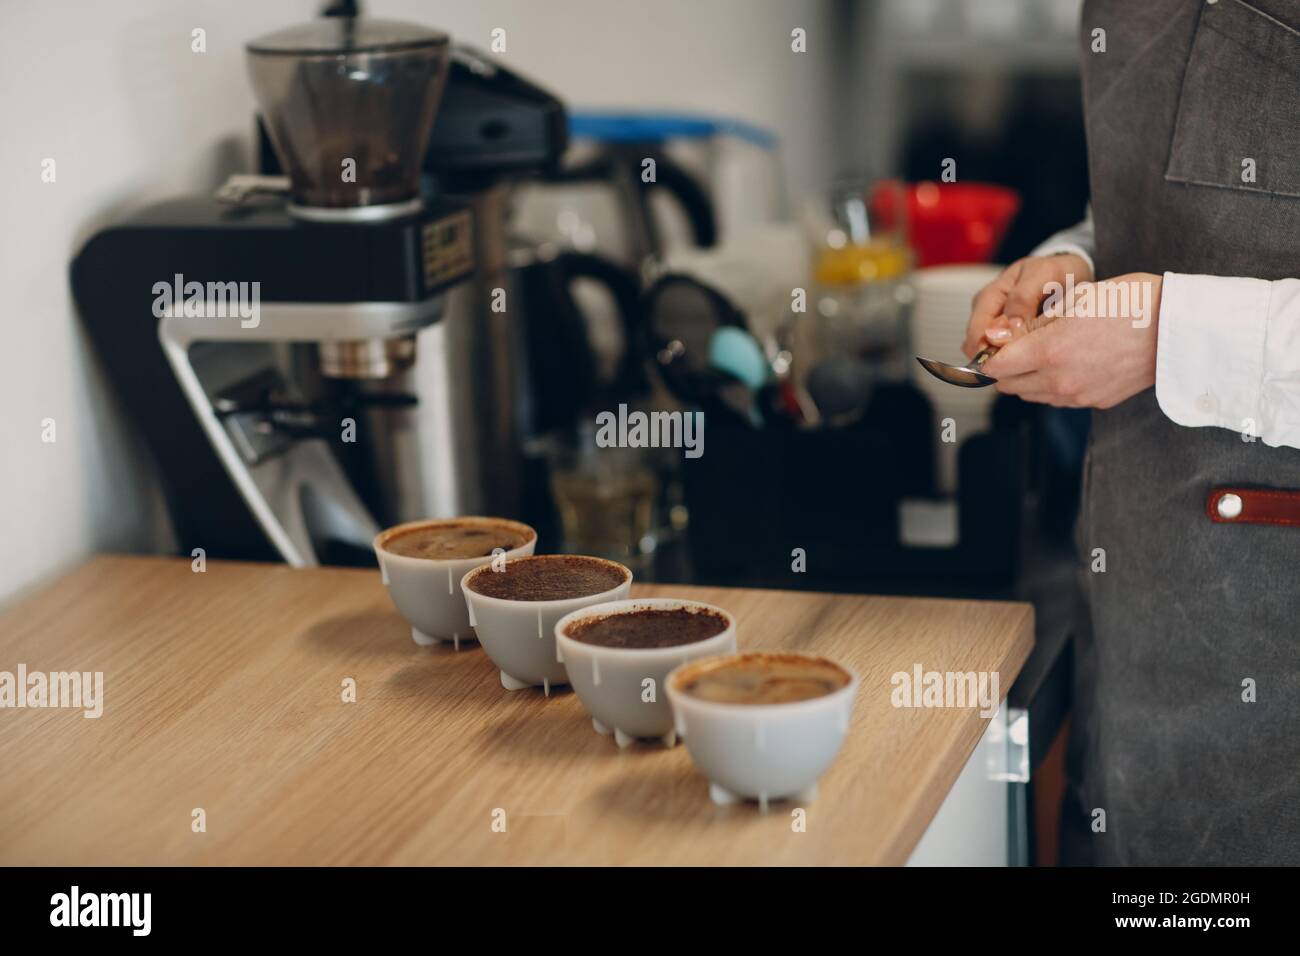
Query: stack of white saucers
pixel 939 317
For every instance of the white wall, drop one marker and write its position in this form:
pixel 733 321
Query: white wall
pixel 113 93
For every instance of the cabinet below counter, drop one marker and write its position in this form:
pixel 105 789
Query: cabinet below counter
pixel 225 700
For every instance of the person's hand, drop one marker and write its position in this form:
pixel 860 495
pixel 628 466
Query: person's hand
pixel 1101 351
pixel 1018 293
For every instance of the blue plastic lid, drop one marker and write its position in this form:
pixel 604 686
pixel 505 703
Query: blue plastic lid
pixel 653 127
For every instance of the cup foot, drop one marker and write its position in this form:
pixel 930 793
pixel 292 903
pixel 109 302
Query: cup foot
pixel 724 797
pixel 424 640
pixel 625 739
pixel 807 795
pixel 513 683
pixel 721 796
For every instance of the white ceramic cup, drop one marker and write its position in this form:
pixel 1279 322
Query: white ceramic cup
pixel 427 591
pixel 519 636
pixel 610 681
pixel 761 751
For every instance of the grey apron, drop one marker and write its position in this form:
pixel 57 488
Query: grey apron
pixel 1185 770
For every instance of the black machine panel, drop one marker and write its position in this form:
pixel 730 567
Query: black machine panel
pixel 403 260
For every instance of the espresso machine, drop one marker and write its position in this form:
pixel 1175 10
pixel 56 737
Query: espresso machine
pixel 327 346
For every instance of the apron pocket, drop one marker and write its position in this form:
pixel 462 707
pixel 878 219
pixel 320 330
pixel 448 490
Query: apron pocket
pixel 1237 109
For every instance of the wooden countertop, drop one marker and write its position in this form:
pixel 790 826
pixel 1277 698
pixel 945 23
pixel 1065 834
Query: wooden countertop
pixel 222 691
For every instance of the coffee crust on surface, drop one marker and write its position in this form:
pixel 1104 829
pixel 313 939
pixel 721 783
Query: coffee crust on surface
pixel 451 540
pixel 649 628
pixel 549 577
pixel 764 679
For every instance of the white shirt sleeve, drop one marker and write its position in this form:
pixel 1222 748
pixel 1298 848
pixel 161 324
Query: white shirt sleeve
pixel 1228 355
pixel 1080 240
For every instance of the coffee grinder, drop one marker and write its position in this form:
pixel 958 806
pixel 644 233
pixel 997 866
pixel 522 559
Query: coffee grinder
pixel 313 355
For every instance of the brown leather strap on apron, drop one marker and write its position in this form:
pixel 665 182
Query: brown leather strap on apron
pixel 1253 506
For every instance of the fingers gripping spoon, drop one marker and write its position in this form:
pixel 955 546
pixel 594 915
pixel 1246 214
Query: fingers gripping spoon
pixel 967 376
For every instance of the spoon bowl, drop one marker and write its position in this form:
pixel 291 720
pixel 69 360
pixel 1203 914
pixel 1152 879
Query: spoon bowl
pixel 966 376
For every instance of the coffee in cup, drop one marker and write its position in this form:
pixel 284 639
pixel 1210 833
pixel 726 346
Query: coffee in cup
pixel 457 539
pixel 649 628
pixel 766 679
pixel 549 577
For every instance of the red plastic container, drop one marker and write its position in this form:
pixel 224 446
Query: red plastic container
pixel 956 222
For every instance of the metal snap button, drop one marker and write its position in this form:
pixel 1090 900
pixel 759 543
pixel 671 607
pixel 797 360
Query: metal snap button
pixel 1229 506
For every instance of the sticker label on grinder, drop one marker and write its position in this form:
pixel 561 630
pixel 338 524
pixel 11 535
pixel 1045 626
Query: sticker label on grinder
pixel 448 249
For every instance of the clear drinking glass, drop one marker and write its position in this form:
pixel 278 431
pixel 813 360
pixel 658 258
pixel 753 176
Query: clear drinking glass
pixel 607 499
pixel 857 233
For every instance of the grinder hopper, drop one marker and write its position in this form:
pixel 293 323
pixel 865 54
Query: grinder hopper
pixel 349 104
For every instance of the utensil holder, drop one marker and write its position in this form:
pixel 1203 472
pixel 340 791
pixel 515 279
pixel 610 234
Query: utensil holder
pixel 765 502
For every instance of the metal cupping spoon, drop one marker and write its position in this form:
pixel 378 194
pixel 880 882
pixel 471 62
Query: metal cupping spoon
pixel 967 376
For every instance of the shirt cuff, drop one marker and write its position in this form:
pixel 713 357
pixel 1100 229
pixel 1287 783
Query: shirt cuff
pixel 1210 350
pixel 1056 247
